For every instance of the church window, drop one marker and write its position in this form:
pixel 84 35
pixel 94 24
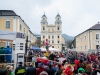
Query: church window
pixel 58 41
pixel 58 28
pixel 58 36
pixel 43 28
pixel 43 18
pixel 52 46
pixel 52 41
pixel 52 37
pixel 49 37
pixel 43 37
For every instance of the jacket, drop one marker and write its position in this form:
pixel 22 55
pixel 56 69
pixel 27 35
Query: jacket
pixel 20 70
pixel 31 71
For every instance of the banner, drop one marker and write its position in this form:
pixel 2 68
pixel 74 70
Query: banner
pixel 8 35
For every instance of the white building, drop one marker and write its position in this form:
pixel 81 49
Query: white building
pixel 52 32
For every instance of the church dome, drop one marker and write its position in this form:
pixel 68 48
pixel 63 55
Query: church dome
pixel 58 15
pixel 44 15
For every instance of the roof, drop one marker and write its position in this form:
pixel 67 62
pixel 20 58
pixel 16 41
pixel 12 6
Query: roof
pixel 7 13
pixel 94 27
pixel 10 13
pixel 58 15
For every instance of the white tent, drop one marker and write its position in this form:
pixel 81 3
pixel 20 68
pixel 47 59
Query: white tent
pixel 51 49
pixel 43 49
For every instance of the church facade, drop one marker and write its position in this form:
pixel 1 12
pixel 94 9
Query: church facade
pixel 52 32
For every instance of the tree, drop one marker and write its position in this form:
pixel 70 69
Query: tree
pixel 38 43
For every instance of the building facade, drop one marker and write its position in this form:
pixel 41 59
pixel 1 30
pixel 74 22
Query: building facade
pixel 89 39
pixel 52 32
pixel 10 21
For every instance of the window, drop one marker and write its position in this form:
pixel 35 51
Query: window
pixel 20 27
pixel 58 28
pixel 85 38
pixel 58 46
pixel 52 41
pixel 97 46
pixel 52 46
pixel 85 47
pixel 58 18
pixel 43 28
pixel 58 41
pixel 43 37
pixel 7 24
pixel 43 18
pixel 58 36
pixel 97 36
pixel 49 37
pixel 52 37
pixel 49 41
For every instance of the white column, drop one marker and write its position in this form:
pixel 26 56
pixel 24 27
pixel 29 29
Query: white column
pixel 18 26
pixel 14 24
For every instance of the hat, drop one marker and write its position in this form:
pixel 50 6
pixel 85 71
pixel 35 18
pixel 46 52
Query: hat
pixel 68 71
pixel 40 65
pixel 9 67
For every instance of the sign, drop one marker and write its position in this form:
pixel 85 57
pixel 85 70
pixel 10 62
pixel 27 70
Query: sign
pixel 20 58
pixel 7 35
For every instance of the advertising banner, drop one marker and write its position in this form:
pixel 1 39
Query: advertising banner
pixel 7 35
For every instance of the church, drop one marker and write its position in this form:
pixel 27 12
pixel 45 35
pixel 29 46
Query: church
pixel 52 32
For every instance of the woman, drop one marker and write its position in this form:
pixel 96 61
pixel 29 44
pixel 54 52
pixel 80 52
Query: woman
pixel 10 68
pixel 88 69
pixel 68 71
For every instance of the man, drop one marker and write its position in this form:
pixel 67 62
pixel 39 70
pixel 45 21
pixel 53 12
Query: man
pixel 52 56
pixel 30 53
pixel 3 71
pixel 20 70
pixel 31 70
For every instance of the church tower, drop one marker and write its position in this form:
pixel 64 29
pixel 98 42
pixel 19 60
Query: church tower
pixel 52 32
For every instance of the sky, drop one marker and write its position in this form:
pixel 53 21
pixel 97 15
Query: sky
pixel 76 15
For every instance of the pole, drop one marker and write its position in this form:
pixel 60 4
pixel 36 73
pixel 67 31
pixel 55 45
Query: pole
pixel 26 48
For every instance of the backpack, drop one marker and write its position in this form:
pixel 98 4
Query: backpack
pixel 43 73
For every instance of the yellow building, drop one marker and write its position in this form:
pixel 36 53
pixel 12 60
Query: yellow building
pixel 89 39
pixel 10 21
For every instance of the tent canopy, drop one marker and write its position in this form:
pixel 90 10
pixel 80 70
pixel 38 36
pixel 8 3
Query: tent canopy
pixel 51 49
pixel 36 48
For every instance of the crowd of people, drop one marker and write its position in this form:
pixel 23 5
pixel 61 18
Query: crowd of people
pixel 73 64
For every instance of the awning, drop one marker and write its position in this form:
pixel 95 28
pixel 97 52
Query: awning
pixel 36 48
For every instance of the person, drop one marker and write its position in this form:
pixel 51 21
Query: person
pixel 68 71
pixel 50 69
pixel 41 70
pixel 52 56
pixel 59 70
pixel 30 53
pixel 10 68
pixel 3 71
pixel 2 57
pixel 20 70
pixel 47 45
pixel 8 50
pixel 31 70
